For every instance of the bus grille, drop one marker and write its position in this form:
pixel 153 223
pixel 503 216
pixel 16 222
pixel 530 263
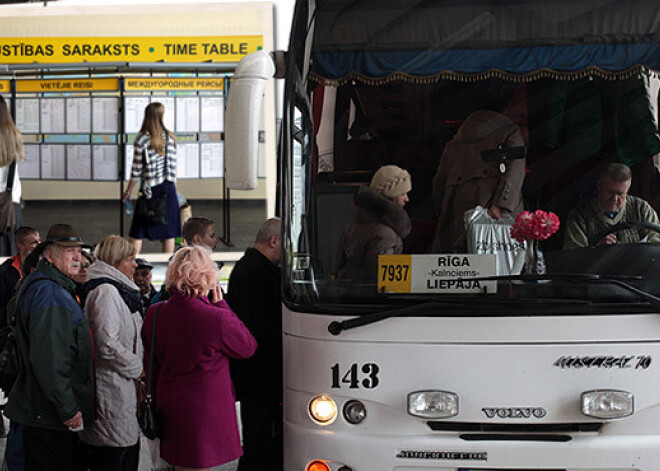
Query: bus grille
pixel 514 428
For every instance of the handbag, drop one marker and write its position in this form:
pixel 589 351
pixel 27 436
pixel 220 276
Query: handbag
pixel 10 363
pixel 140 387
pixel 148 417
pixel 7 208
pixel 152 210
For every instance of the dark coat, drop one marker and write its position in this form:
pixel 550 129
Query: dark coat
pixel 378 226
pixel 9 276
pixel 254 294
pixel 55 349
pixel 464 180
pixel 148 298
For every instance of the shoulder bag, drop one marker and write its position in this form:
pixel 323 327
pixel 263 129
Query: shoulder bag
pixel 7 209
pixel 148 417
pixel 152 210
pixel 9 359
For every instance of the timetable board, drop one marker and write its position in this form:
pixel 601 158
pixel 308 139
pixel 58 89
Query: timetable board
pixel 84 136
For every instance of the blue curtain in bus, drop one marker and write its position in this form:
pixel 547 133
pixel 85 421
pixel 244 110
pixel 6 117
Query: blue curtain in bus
pixel 518 61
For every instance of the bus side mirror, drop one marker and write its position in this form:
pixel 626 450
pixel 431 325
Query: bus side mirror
pixel 244 105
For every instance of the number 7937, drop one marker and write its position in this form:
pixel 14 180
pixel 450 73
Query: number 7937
pixel 395 272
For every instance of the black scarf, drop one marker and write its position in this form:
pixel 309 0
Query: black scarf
pixel 130 296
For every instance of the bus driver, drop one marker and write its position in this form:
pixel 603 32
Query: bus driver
pixel 610 207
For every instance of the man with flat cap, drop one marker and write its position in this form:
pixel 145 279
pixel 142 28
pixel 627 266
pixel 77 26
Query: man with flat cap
pixel 142 278
pixel 54 393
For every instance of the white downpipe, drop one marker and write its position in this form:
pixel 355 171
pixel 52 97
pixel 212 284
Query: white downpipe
pixel 244 106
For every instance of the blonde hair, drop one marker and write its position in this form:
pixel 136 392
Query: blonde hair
pixel 192 272
pixel 11 144
pixel 113 249
pixel 154 125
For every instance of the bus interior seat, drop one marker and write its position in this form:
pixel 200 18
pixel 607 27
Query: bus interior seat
pixel 332 209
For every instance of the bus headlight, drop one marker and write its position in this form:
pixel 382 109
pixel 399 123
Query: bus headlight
pixel 317 465
pixel 322 409
pixel 354 412
pixel 433 404
pixel 608 404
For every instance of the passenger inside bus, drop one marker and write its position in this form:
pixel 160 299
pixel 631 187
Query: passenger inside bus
pixel 571 130
pixel 378 224
pixel 579 126
pixel 589 222
pixel 466 178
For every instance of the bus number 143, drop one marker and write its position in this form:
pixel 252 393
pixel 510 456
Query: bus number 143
pixel 356 376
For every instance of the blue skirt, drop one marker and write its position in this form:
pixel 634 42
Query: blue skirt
pixel 140 229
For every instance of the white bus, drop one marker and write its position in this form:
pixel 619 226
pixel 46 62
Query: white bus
pixel 444 358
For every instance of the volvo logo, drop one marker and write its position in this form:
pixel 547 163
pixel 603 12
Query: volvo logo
pixel 514 412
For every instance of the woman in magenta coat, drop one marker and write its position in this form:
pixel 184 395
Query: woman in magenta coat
pixel 194 341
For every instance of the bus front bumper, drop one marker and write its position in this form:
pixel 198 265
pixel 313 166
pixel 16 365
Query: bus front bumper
pixel 364 451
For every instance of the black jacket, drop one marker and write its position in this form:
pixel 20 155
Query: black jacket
pixel 55 350
pixel 254 294
pixel 9 276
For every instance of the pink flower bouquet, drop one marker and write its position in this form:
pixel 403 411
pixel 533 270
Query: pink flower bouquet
pixel 538 225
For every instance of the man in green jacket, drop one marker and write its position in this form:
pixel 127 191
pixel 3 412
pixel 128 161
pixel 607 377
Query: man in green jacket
pixel 54 393
pixel 589 222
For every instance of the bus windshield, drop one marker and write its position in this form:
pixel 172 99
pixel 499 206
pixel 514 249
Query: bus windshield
pixel 410 180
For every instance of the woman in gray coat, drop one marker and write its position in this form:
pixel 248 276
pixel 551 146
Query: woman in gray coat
pixel 113 310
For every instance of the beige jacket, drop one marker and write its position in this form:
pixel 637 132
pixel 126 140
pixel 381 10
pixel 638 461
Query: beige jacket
pixel 464 181
pixel 118 360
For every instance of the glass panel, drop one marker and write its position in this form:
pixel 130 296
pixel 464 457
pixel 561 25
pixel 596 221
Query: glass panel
pixel 454 146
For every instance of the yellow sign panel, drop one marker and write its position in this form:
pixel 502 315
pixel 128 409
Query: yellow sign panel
pixel 70 85
pixel 5 86
pixel 166 83
pixel 131 49
pixel 395 273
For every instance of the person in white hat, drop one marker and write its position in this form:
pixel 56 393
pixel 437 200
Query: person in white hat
pixel 378 225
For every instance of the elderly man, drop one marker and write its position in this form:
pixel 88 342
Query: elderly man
pixel 54 392
pixel 592 218
pixel 142 278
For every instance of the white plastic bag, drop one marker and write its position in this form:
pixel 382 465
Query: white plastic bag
pixel 486 235
pixel 150 459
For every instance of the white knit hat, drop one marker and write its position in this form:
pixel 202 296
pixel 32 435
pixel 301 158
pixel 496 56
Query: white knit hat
pixel 391 181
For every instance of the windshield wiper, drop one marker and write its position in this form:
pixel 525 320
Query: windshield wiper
pixel 589 278
pixel 557 277
pixel 337 327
